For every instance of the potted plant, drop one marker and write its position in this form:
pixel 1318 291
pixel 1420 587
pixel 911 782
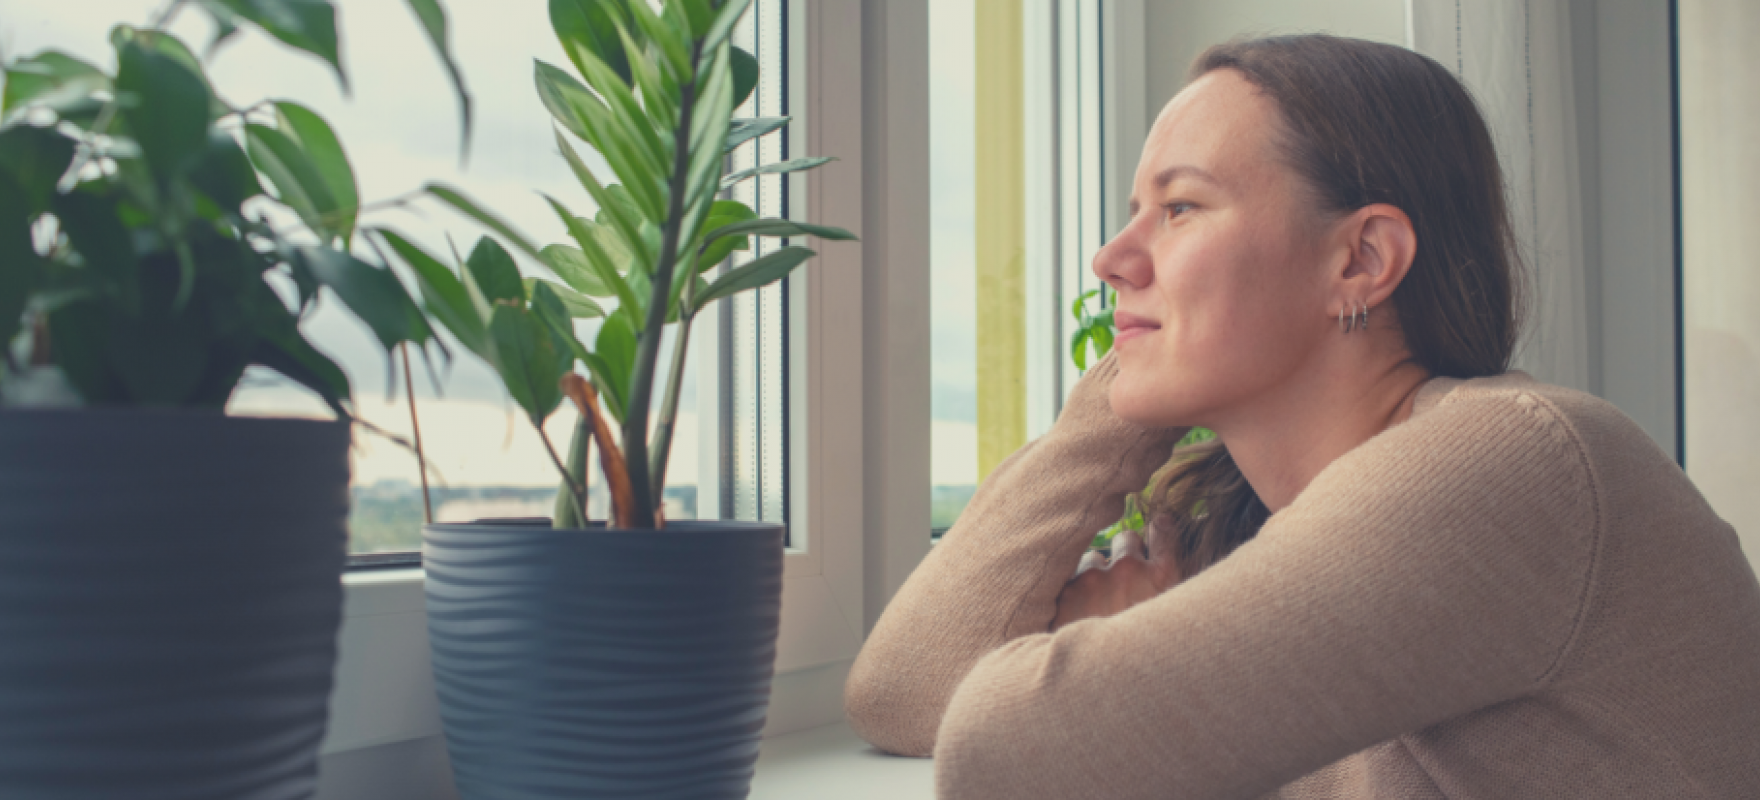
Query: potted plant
pixel 169 575
pixel 630 658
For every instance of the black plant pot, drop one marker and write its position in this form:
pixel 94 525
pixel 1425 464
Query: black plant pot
pixel 169 599
pixel 603 664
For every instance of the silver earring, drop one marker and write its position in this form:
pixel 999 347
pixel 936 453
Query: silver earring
pixel 1362 316
pixel 1343 327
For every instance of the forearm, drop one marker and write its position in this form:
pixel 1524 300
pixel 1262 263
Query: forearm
pixel 996 574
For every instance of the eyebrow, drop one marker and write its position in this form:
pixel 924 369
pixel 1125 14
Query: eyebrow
pixel 1166 176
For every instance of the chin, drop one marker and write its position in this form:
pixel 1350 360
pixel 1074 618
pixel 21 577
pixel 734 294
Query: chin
pixel 1135 402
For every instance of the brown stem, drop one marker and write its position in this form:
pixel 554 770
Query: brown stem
pixel 623 501
pixel 416 427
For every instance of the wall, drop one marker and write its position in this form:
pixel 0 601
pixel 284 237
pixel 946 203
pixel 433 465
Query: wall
pixel 1177 30
pixel 1720 170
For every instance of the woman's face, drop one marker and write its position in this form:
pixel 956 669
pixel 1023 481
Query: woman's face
pixel 1220 271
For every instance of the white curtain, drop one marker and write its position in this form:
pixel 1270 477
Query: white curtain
pixel 1515 58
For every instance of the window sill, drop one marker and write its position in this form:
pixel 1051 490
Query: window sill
pixel 831 761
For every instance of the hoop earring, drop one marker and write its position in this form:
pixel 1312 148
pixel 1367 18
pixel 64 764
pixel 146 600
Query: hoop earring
pixel 1343 327
pixel 1362 316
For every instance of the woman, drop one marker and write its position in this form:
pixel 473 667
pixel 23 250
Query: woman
pixel 1401 572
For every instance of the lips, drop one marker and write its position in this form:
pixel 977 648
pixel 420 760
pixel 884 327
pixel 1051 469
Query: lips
pixel 1130 326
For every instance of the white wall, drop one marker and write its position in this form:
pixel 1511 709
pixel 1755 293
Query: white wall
pixel 1720 170
pixel 1178 30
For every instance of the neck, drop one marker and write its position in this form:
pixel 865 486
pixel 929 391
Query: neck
pixel 1281 441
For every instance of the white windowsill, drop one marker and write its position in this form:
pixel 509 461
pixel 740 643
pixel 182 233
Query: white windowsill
pixel 831 761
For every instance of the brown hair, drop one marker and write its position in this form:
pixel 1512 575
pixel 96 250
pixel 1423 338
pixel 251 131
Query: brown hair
pixel 1365 123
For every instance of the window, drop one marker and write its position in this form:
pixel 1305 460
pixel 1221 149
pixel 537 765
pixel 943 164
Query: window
pixel 400 129
pixel 1019 196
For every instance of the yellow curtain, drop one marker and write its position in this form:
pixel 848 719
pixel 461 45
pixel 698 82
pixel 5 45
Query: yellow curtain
pixel 1000 235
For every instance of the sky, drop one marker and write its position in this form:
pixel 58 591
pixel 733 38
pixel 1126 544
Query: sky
pixel 399 125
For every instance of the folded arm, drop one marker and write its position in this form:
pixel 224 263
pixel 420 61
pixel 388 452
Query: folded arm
pixel 996 574
pixel 1436 570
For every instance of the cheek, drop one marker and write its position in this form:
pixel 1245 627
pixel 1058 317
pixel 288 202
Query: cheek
pixel 1235 318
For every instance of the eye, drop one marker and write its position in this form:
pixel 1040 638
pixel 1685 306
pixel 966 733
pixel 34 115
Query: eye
pixel 1175 209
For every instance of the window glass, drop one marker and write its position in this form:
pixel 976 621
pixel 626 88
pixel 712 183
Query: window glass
pixel 1015 200
pixel 399 126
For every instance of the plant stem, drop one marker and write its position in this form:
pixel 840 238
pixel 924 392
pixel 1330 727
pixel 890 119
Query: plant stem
pixel 669 402
pixel 416 427
pixel 573 488
pixel 635 417
pixel 567 513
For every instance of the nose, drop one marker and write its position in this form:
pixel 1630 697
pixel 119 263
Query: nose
pixel 1125 262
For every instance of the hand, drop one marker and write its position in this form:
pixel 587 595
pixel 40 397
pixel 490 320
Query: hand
pixel 1129 579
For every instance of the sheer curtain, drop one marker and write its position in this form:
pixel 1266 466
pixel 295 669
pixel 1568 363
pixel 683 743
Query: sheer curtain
pixel 1515 57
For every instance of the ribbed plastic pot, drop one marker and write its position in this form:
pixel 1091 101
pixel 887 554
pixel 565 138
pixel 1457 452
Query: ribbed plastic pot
pixel 169 600
pixel 600 664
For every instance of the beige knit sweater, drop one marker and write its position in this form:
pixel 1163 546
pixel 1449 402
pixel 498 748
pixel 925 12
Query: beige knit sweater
pixel 1513 594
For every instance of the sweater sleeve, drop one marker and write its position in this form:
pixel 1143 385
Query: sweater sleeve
pixel 1440 568
pixel 996 574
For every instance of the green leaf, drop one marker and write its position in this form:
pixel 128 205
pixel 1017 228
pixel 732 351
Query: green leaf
pixel 754 274
pixel 597 259
pixel 315 138
pixel 170 113
pixel 725 19
pixel 660 96
pixel 280 347
pixel 81 333
pixel 308 25
pixel 95 229
pixel 1102 337
pixel 587 117
pixel 495 273
pixel 531 360
pixel 619 217
pixel 745 75
pixel 577 305
pixel 792 165
pixel 471 208
pixel 21 271
pixel 445 296
pixel 298 182
pixel 570 264
pixel 627 124
pixel 590 26
pixel 51 79
pixel 36 159
pixel 433 19
pixel 372 293
pixel 671 43
pixel 224 173
pixel 778 227
pixel 746 129
pixel 717 247
pixel 1078 351
pixel 613 366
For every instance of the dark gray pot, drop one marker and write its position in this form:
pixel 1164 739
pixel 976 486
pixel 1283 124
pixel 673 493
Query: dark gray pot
pixel 603 664
pixel 169 599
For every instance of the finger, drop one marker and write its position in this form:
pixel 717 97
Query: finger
pixel 1090 560
pixel 1127 544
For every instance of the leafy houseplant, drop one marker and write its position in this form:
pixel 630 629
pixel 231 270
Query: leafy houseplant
pixel 691 611
pixel 170 574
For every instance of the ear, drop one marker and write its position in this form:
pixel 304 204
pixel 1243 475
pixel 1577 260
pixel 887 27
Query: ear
pixel 1381 244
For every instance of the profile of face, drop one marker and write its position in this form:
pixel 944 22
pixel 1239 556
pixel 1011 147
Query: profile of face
pixel 1227 270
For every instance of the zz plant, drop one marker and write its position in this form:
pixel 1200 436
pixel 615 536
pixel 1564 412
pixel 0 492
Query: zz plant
pixel 133 270
pixel 655 96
